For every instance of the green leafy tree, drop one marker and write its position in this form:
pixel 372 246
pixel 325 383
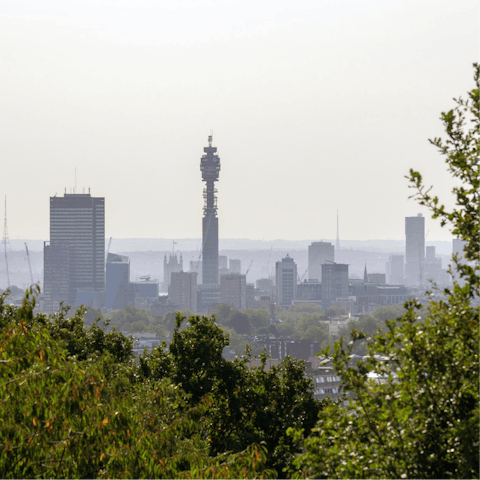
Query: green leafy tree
pixel 86 343
pixel 388 312
pixel 222 313
pixel 124 319
pixel 92 315
pixel 306 307
pixel 240 322
pixel 332 312
pixel 56 423
pixel 249 405
pixel 259 318
pixel 418 416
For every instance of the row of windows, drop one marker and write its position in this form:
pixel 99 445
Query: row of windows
pixel 326 391
pixel 331 378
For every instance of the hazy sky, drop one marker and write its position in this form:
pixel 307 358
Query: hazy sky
pixel 315 105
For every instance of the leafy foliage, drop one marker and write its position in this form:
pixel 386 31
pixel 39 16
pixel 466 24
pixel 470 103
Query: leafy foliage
pixel 71 422
pixel 249 405
pixel 414 411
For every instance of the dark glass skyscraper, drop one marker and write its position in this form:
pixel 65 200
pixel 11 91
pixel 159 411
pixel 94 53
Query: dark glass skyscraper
pixel 210 168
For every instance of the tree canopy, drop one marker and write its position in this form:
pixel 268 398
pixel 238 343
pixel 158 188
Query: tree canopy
pixel 413 406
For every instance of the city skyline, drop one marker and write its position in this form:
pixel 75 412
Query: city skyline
pixel 311 111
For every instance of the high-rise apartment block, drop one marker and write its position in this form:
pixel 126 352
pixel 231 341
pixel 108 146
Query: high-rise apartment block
pixel 414 249
pixel 286 281
pixel 334 283
pixel 75 256
pixel 319 253
pixel 233 290
pixel 183 290
pixel 210 168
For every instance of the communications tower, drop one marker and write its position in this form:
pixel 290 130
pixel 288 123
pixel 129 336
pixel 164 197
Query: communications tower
pixel 210 168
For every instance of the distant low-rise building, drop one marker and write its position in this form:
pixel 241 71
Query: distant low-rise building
pixel 376 278
pixel 310 291
pixel 325 380
pixel 145 292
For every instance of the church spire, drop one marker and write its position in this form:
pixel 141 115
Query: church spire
pixel 365 275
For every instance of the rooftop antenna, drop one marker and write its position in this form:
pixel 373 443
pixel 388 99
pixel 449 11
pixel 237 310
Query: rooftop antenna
pixel 173 248
pixel 6 242
pixel 210 138
pixel 75 191
pixel 338 235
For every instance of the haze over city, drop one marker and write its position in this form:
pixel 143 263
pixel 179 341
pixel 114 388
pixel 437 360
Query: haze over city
pixel 212 264
pixel 315 107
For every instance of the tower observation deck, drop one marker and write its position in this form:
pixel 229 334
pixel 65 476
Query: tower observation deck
pixel 210 168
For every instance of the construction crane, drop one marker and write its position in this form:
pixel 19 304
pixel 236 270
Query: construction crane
pixel 248 269
pixel 29 265
pixel 108 249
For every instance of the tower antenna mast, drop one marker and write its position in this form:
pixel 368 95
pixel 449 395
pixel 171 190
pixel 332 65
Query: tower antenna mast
pixel 6 242
pixel 210 169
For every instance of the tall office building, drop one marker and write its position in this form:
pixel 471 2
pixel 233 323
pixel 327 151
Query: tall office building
pixel 395 270
pixel 235 266
pixel 56 275
pixel 286 281
pixel 318 254
pixel 414 249
pixel 223 265
pixel 183 290
pixel 433 267
pixel 77 246
pixel 334 283
pixel 210 168
pixel 233 290
pixel 119 290
pixel 223 262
